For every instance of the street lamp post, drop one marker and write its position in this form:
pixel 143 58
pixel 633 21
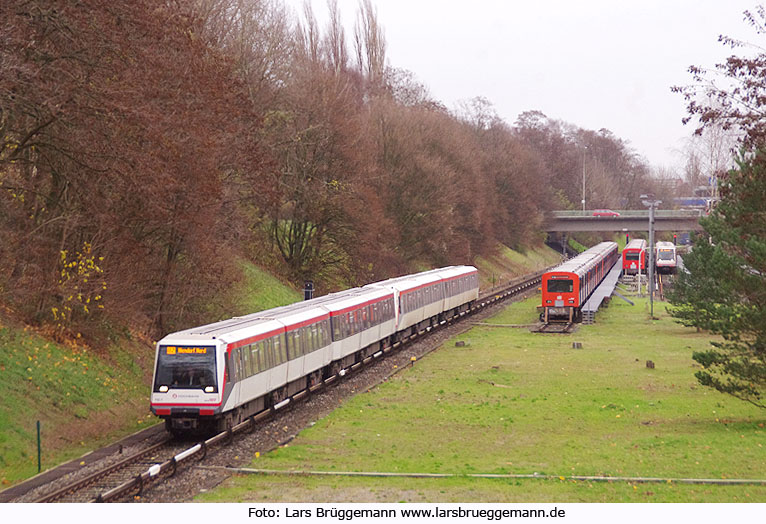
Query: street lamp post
pixel 650 202
pixel 583 178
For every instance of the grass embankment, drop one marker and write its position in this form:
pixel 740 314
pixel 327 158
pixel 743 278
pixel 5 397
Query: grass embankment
pixel 515 402
pixel 86 398
pixel 260 290
pixel 508 264
pixel 82 399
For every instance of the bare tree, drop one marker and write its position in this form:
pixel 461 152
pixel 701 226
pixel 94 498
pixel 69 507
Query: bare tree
pixel 370 44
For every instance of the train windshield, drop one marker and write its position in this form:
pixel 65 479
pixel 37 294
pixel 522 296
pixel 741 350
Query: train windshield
pixel 631 255
pixel 665 254
pixel 560 286
pixel 186 367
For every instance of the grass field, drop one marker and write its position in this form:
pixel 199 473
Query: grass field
pixel 514 402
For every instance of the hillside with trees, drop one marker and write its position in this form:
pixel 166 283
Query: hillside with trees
pixel 148 148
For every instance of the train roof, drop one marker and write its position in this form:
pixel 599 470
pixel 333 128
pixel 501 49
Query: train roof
pixel 584 260
pixel 227 330
pixel 290 315
pixel 665 245
pixel 410 282
pixel 636 243
pixel 359 297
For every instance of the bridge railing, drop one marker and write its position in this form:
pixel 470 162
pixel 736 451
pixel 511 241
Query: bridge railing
pixel 631 213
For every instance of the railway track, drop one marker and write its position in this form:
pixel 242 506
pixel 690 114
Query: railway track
pixel 131 475
pixel 553 327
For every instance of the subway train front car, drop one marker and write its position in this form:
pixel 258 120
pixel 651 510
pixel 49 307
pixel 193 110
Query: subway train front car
pixel 187 390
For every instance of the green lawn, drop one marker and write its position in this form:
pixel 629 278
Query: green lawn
pixel 511 401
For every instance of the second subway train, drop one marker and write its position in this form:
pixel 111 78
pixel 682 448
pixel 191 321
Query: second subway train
pixel 566 288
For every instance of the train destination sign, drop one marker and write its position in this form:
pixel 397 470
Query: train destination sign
pixel 179 350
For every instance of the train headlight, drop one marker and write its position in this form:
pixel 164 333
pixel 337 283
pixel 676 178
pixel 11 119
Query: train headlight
pixel 209 389
pixel 163 389
pixel 571 301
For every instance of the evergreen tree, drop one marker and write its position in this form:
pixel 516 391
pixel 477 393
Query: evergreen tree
pixel 724 290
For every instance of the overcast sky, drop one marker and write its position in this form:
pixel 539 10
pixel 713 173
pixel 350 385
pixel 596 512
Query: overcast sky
pixel 593 63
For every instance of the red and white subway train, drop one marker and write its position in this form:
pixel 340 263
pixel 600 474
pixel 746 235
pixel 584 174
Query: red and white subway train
pixel 212 377
pixel 634 257
pixel 566 287
pixel 665 257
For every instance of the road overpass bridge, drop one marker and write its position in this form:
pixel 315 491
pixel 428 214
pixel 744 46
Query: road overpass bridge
pixel 630 220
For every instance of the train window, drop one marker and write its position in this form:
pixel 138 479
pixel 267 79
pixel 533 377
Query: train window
pixel 335 327
pixel 278 350
pixel 268 353
pixel 293 349
pixel 631 255
pixel 264 362
pixel 238 364
pixel 298 342
pixel 560 286
pixel 256 361
pixel 312 335
pixel 256 357
pixel 370 316
pixel 186 367
pixel 305 340
pixel 247 353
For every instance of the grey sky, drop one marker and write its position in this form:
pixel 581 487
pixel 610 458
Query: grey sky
pixel 593 63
